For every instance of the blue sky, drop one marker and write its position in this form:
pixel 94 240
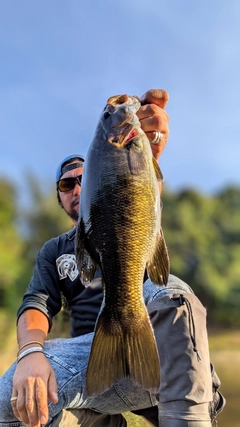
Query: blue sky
pixel 61 60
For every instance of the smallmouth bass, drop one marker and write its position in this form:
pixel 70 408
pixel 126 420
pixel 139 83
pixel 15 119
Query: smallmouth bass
pixel 119 229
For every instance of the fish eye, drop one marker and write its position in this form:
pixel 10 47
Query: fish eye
pixel 106 114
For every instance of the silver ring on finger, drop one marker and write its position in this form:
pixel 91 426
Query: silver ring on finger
pixel 13 398
pixel 158 138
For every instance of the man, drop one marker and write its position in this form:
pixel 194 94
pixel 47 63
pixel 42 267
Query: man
pixel 47 386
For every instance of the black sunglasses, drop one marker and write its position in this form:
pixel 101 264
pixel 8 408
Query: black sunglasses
pixel 68 184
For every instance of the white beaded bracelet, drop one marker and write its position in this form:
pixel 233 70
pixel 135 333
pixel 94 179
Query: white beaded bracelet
pixel 29 351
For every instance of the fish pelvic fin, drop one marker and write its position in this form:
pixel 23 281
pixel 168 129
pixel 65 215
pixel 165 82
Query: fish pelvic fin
pixel 118 353
pixel 158 267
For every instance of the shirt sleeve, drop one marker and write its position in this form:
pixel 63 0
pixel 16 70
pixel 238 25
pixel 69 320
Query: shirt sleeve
pixel 43 292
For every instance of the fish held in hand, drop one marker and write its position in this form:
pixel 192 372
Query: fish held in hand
pixel 119 229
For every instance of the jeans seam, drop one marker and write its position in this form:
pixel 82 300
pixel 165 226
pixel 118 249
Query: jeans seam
pixel 61 363
pixel 127 401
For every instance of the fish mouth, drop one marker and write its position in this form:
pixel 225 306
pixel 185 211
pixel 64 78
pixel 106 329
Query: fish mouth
pixel 131 135
pixel 125 137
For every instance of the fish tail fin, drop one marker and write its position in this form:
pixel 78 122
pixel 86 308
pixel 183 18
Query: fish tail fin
pixel 118 352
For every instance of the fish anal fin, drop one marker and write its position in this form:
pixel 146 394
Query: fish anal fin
pixel 124 354
pixel 158 267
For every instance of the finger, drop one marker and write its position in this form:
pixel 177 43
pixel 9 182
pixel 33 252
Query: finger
pixel 150 110
pixel 31 403
pixel 153 118
pixel 152 138
pixel 42 400
pixel 157 149
pixel 159 97
pixel 25 406
pixel 14 403
pixel 19 407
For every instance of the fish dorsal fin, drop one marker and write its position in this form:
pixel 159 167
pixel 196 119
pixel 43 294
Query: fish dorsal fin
pixel 157 170
pixel 158 267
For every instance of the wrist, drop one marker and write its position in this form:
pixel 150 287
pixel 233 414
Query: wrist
pixel 30 344
pixel 29 351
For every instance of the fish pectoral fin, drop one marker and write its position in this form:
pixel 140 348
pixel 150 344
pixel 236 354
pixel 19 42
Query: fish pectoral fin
pixel 116 354
pixel 158 267
pixel 86 265
pixel 87 268
pixel 136 160
pixel 157 170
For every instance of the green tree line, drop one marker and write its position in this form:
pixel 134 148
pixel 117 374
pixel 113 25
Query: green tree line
pixel 202 233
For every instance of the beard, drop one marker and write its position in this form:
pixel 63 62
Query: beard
pixel 73 215
pixel 73 212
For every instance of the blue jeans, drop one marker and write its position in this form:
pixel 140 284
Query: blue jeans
pixel 69 359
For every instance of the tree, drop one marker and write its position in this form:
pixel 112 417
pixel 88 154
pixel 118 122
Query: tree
pixel 12 261
pixel 42 218
pixel 203 238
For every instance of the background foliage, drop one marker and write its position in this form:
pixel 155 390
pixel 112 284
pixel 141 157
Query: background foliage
pixel 24 229
pixel 202 234
pixel 203 238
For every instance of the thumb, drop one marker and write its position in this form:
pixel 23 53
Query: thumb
pixel 52 388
